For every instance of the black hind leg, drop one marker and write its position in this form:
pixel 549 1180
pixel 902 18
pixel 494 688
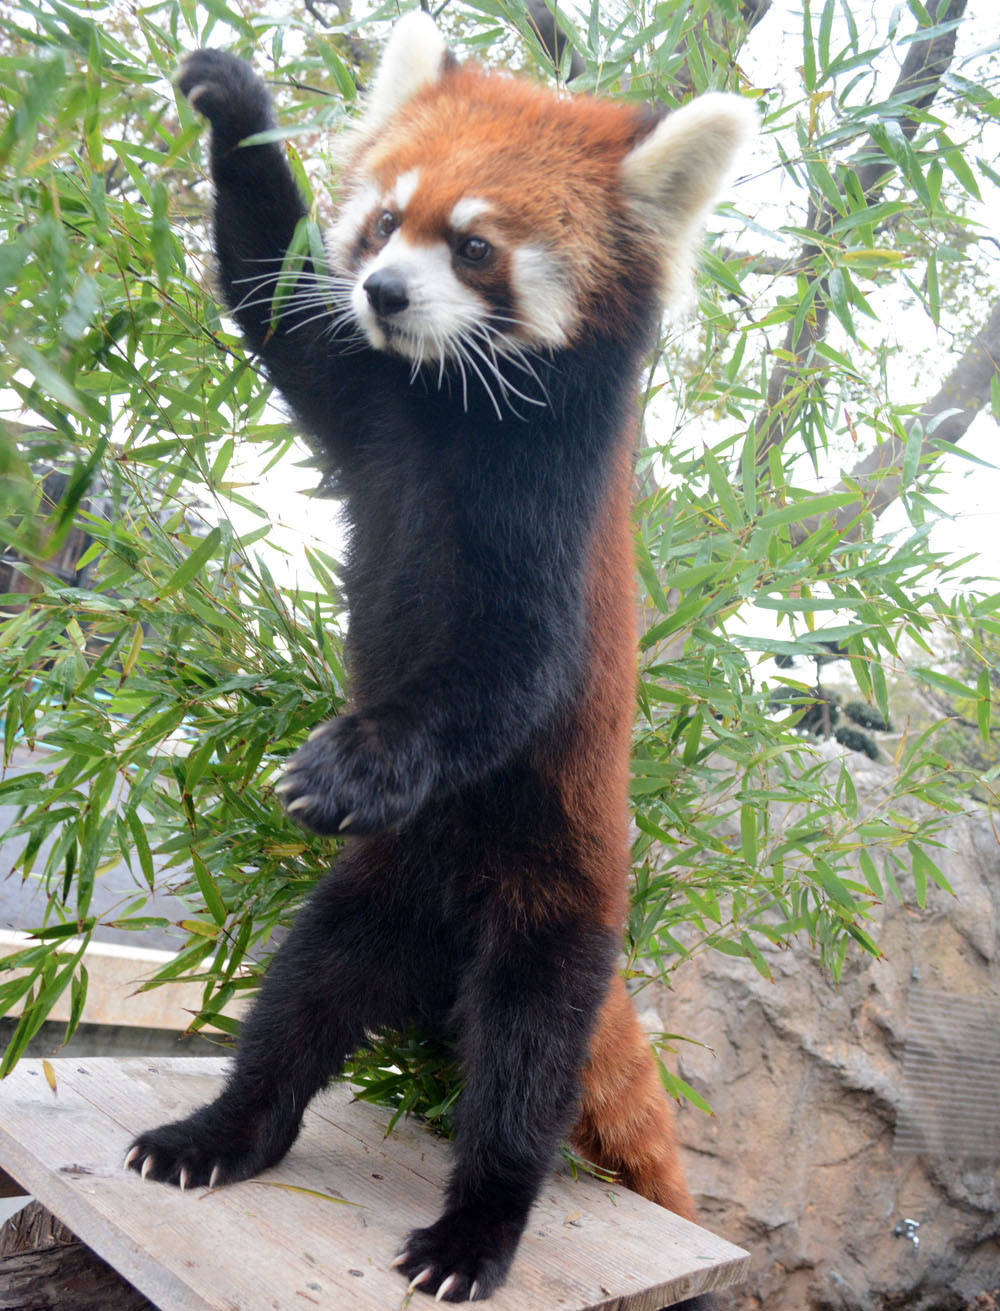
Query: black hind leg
pixel 527 1005
pixel 359 957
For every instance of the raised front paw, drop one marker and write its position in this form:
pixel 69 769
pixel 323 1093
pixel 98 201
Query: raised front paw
pixel 358 774
pixel 208 1149
pixel 228 93
pixel 463 1257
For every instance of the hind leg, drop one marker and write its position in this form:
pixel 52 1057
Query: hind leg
pixel 526 1007
pixel 626 1124
pixel 360 956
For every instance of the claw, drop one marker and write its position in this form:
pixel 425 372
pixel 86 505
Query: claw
pixel 147 1165
pixel 299 804
pixel 284 783
pixel 185 1178
pixel 399 1260
pixel 346 821
pixel 133 1152
pixel 446 1286
pixel 474 1291
pixel 318 732
pixel 214 1177
pixel 422 1278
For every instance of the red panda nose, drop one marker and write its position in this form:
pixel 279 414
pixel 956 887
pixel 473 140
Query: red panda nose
pixel 386 292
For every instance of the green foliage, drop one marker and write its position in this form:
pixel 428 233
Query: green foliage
pixel 162 686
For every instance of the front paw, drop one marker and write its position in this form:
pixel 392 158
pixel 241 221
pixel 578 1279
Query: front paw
pixel 359 774
pixel 463 1257
pixel 228 93
pixel 208 1148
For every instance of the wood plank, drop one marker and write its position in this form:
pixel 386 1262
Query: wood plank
pixel 254 1246
pixel 115 973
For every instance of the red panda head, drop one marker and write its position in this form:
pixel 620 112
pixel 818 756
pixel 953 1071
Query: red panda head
pixel 487 217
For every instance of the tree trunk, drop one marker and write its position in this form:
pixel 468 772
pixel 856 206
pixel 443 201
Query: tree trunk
pixel 963 394
pixel 44 1267
pixel 918 83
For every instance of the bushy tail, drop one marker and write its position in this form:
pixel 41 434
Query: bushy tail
pixel 626 1123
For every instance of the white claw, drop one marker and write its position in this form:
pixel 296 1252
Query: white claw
pixel 446 1286
pixel 318 732
pixel 399 1260
pixel 347 821
pixel 214 1177
pixel 284 783
pixel 474 1290
pixel 147 1165
pixel 299 804
pixel 417 1280
pixel 185 1178
pixel 133 1152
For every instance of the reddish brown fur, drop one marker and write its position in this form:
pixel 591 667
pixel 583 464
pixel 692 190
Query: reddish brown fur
pixel 569 200
pixel 567 187
pixel 626 1123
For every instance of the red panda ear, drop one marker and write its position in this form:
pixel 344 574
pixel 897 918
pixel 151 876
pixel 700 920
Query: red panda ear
pixel 672 177
pixel 415 57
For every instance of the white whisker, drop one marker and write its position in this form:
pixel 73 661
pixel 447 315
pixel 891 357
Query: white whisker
pixel 462 345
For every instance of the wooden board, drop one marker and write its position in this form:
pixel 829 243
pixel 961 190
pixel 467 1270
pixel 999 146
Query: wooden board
pixel 255 1246
pixel 114 973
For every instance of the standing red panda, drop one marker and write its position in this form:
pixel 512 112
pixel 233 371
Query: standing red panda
pixel 468 368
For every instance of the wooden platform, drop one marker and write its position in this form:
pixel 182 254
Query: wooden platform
pixel 273 1244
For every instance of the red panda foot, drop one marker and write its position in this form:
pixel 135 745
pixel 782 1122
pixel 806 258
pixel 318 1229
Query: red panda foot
pixel 211 1147
pixel 463 1257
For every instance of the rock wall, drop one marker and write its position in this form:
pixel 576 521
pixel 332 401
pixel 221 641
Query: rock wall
pixel 798 1164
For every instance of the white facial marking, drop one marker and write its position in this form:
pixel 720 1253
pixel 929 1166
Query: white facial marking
pixel 546 305
pixel 440 308
pixel 467 211
pixel 342 234
pixel 406 185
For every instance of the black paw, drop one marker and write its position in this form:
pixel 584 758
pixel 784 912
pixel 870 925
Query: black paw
pixel 460 1258
pixel 205 1150
pixel 228 93
pixel 358 774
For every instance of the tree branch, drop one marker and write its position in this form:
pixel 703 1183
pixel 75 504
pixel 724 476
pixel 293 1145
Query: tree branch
pixel 878 477
pixel 918 83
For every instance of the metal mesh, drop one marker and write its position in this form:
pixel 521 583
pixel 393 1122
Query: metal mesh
pixel 950 1103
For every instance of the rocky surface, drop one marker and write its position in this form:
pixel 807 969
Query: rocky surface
pixel 806 1076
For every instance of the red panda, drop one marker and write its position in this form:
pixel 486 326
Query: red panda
pixel 466 366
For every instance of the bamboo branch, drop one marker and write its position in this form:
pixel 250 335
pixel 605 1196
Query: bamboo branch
pixel 878 477
pixel 918 83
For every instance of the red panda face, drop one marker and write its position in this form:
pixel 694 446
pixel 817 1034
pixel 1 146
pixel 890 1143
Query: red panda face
pixel 487 219
pixel 485 225
pixel 443 272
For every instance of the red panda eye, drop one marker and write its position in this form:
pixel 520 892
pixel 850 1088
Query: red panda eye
pixel 475 250
pixel 385 224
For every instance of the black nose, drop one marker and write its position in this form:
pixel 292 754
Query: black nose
pixel 386 292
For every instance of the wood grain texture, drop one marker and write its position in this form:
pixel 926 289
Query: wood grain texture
pixel 265 1245
pixel 44 1267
